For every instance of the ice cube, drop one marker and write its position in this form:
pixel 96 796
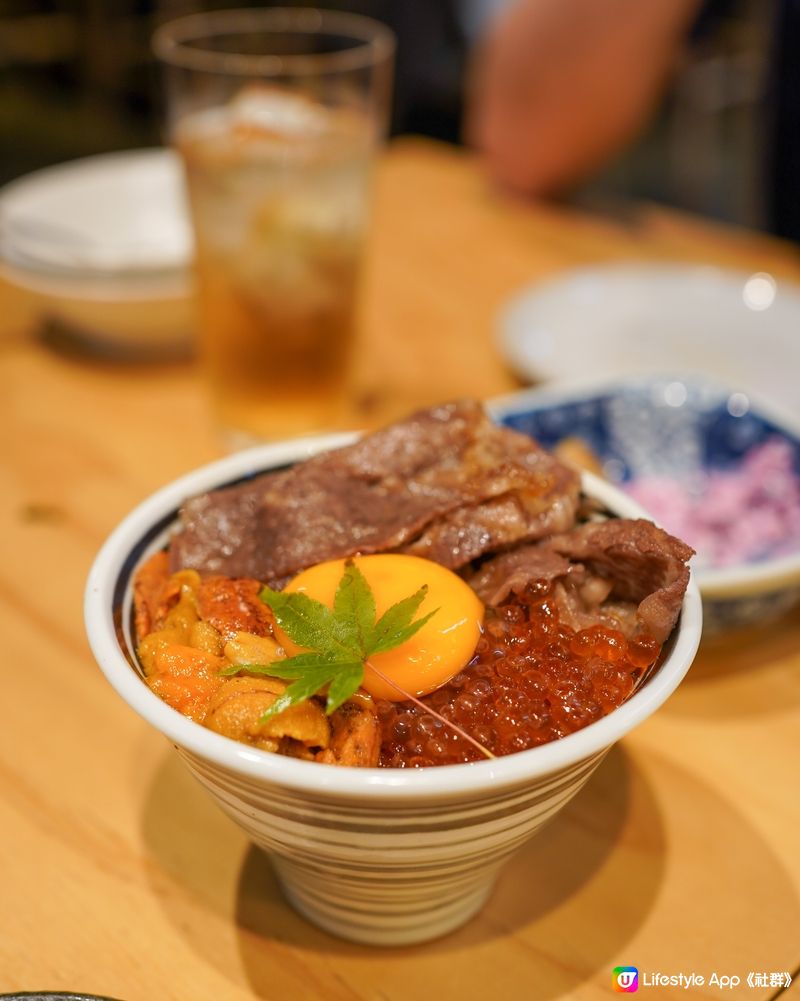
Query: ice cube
pixel 275 112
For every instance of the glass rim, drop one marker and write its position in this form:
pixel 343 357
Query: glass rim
pixel 173 42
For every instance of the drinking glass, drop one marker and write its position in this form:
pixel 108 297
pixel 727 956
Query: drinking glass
pixel 277 114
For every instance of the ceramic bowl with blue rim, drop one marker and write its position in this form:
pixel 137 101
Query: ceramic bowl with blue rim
pixel 385 856
pixel 52 996
pixel 689 431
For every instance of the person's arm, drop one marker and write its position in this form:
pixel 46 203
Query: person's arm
pixel 559 86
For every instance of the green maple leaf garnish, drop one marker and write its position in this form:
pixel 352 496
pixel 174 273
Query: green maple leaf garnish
pixel 339 641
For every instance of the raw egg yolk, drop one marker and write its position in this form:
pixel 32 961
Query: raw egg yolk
pixel 437 651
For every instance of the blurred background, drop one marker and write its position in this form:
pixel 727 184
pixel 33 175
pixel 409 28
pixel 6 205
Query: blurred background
pixel 77 78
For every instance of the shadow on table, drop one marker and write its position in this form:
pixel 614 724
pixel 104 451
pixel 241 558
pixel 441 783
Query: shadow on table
pixel 570 906
pixel 74 345
pixel 743 673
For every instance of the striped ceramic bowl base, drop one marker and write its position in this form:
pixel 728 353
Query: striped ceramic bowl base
pixel 392 873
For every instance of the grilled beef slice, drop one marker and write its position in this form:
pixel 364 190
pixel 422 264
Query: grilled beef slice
pixel 446 483
pixel 627 574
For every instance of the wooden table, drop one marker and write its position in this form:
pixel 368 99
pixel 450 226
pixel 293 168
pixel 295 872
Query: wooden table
pixel 118 874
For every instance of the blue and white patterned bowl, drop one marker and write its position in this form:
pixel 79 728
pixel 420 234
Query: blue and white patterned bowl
pixel 379 855
pixel 673 426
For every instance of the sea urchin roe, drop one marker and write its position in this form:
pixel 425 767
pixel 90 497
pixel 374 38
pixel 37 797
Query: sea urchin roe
pixel 532 680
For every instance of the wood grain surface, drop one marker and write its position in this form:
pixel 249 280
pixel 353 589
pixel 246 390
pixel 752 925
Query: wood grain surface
pixel 119 876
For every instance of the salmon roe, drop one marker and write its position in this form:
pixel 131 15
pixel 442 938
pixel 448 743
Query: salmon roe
pixel 532 679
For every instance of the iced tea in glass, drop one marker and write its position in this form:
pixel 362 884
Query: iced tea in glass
pixel 277 114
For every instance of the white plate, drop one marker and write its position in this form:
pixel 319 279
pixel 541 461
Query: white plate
pixel 105 245
pixel 617 320
pixel 118 213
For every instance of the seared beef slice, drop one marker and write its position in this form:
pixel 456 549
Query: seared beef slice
pixel 511 573
pixel 627 574
pixel 644 564
pixel 447 484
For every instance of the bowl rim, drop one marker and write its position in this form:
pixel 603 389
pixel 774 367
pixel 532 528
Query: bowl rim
pixel 445 782
pixel 740 580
